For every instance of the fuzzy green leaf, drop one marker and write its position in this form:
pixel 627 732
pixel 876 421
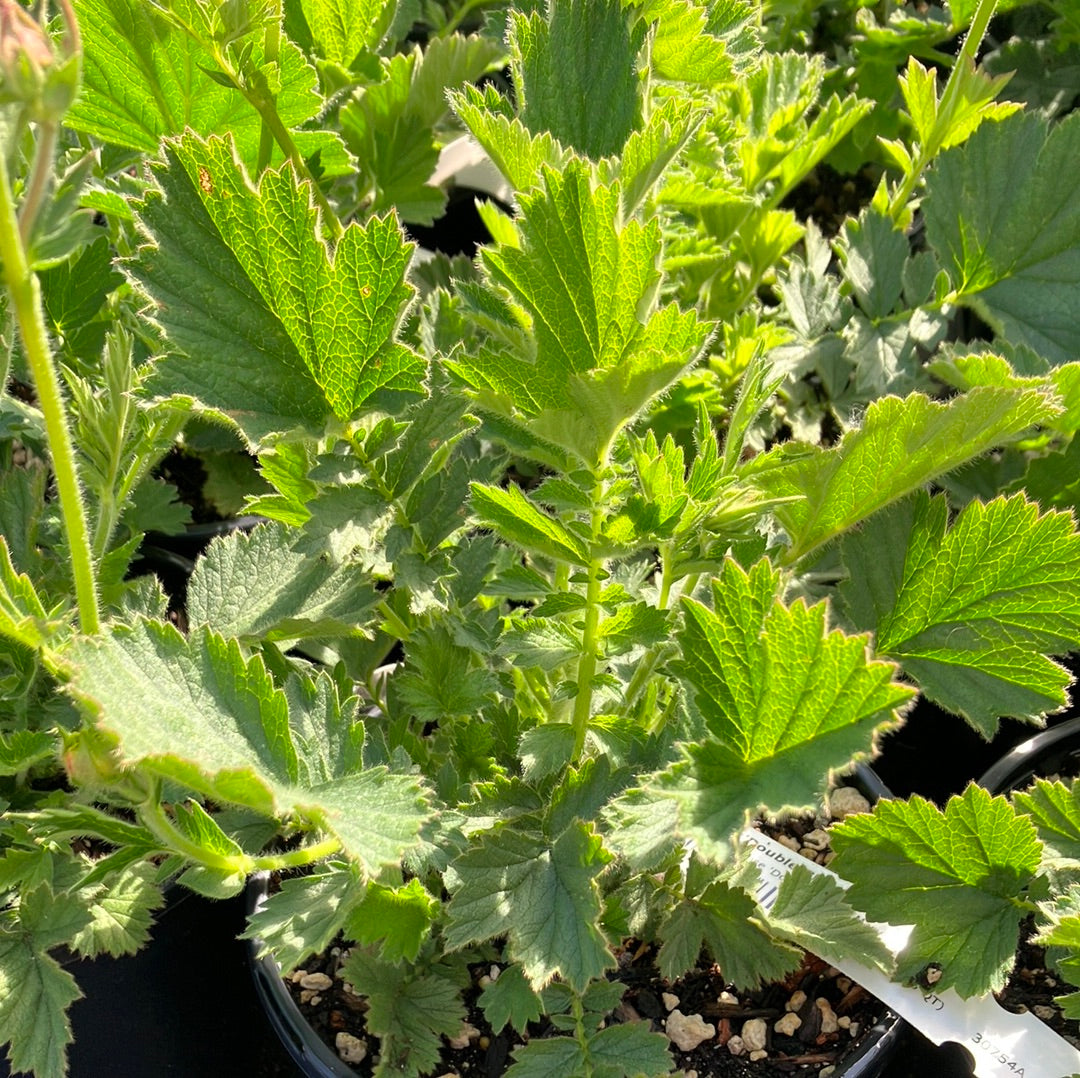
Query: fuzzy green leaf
pixel 682 48
pixel 410 1011
pixel 398 918
pixel 722 918
pixel 306 914
pixel 264 327
pixel 577 74
pixel 145 78
pixel 35 992
pixel 901 445
pixel 1054 809
pixel 541 894
pixel 510 514
pixel 440 678
pixel 1010 238
pixel 120 913
pixel 626 1050
pixel 254 587
pixel 510 1000
pixel 958 875
pixel 341 28
pixel 196 711
pixel 21 749
pixel 785 700
pixel 812 912
pixel 972 610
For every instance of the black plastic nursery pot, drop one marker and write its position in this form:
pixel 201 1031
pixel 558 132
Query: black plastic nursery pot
pixel 873 1055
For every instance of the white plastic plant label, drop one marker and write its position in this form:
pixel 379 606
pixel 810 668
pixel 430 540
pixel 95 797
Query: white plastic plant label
pixel 1003 1045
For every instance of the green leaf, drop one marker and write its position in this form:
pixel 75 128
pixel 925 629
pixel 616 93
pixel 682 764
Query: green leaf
pixel 785 699
pixel 874 253
pixel 585 350
pixel 682 48
pixel 624 1050
pixel 306 914
pixel 901 445
pixel 576 72
pixel 21 749
pixel 23 618
pixel 441 679
pixel 73 294
pixel 1054 809
pixel 510 1000
pixel 196 711
pixel 264 329
pixel 812 912
pixel 120 913
pixel 145 78
pixel 1010 238
pixel 342 28
pixel 971 611
pixel 634 625
pixel 35 992
pixel 723 919
pixel 958 875
pixel 408 1009
pixel 253 586
pixel 511 515
pixel 541 894
pixel 400 918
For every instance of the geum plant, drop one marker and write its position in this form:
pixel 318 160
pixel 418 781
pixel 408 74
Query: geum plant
pixel 601 676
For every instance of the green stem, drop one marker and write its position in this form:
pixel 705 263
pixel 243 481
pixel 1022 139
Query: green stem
pixel 271 55
pixel 156 820
pixel 25 292
pixel 40 179
pixel 306 855
pixel 461 15
pixel 590 637
pixel 983 13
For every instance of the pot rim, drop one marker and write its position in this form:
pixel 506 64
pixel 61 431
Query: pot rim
pixel 1017 767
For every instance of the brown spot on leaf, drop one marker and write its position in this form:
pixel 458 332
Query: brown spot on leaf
pixel 205 182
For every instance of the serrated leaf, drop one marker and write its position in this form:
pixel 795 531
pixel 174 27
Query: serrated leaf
pixel 901 445
pixel 73 293
pixel 541 894
pixel 577 75
pixel 120 913
pixel 23 618
pixel 441 679
pixel 971 611
pixel 307 913
pixel 873 253
pixel 722 918
pixel 618 1051
pixel 399 918
pixel 1054 809
pixel 812 912
pixel 341 28
pixel 145 78
pixel 254 586
pixel 958 875
pixel 263 327
pixel 510 1000
pixel 543 642
pixel 35 992
pixel 196 711
pixel 21 749
pixel 410 1011
pixel 509 513
pixel 633 625
pixel 785 700
pixel 1010 238
pixel 682 48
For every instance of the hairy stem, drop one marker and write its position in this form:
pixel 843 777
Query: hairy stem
pixel 25 291
pixel 156 820
pixel 590 638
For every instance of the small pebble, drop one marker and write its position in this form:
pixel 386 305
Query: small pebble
pixel 844 1021
pixel 670 1001
pixel 687 1031
pixel 843 984
pixel 788 1024
pixel 306 996
pixel 759 1053
pixel 933 974
pixel 728 998
pixel 465 1035
pixel 736 1046
pixel 853 1029
pixel 755 1034
pixel 827 1072
pixel 298 975
pixel 816 839
pixel 494 972
pixel 317 981
pixel 1044 1012
pixel 351 1049
pixel 829 1021
pixel 797 1000
pixel 788 841
pixel 846 801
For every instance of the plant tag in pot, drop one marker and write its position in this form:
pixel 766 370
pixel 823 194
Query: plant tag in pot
pixel 1003 1045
